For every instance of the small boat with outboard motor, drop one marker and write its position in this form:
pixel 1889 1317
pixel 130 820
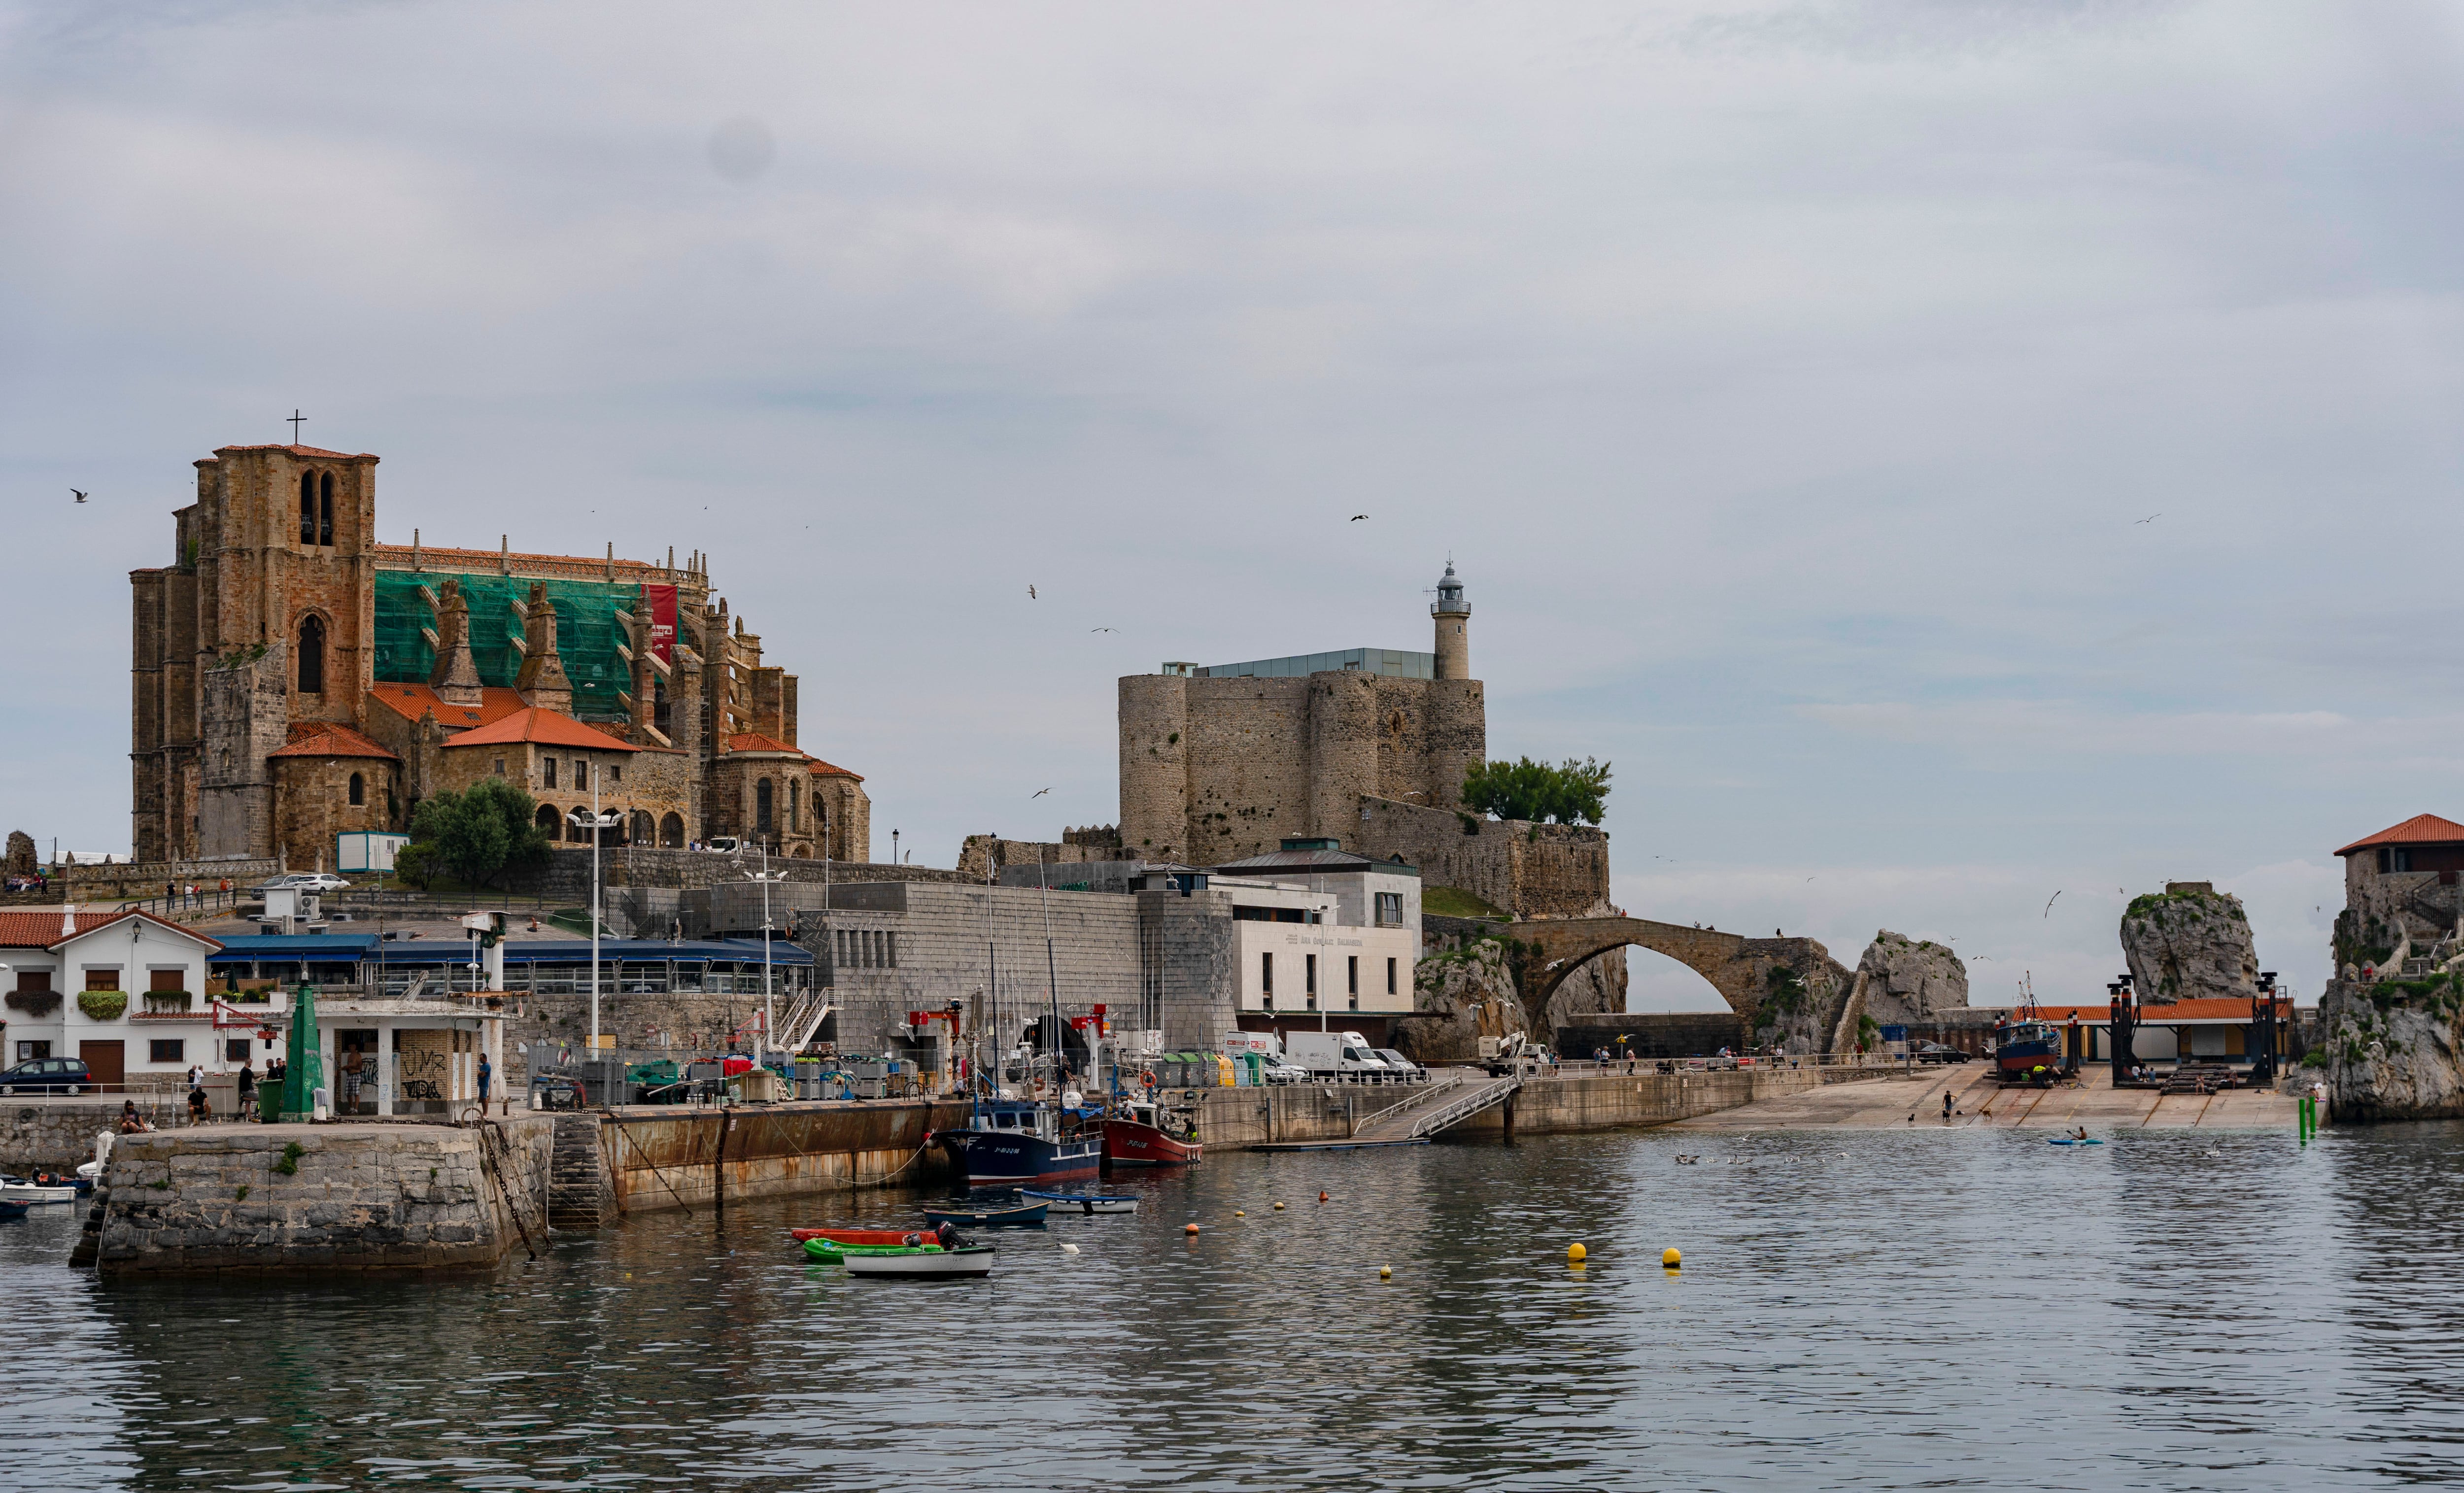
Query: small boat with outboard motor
pixel 965 1263
pixel 40 1187
pixel 1026 1215
pixel 1083 1202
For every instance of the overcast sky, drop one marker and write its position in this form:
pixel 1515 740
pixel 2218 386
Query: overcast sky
pixel 1942 455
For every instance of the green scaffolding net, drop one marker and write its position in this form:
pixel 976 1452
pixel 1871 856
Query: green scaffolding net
pixel 587 632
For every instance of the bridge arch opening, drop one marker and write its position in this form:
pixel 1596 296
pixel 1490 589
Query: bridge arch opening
pixel 1655 983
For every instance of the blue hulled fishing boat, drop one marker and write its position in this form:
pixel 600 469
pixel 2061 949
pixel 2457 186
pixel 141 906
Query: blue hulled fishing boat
pixel 1015 1141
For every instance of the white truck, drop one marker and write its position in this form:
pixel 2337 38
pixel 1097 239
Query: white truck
pixel 1334 1055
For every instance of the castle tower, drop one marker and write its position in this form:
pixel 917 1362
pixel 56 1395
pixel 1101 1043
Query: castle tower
pixel 1453 616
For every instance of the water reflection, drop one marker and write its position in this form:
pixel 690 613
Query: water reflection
pixel 2171 1310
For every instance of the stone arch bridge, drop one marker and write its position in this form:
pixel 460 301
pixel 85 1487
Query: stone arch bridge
pixel 1547 950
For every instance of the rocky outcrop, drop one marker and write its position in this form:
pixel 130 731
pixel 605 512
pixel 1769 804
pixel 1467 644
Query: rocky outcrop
pixel 1804 993
pixel 2190 943
pixel 21 854
pixel 1910 980
pixel 1459 996
pixel 2393 1049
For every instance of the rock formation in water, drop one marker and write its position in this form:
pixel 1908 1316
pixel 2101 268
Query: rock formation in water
pixel 1910 980
pixel 2395 1048
pixel 2190 943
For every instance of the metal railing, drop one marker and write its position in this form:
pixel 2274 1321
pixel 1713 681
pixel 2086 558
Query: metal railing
pixel 1494 1091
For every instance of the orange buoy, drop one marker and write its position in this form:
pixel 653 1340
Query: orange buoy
pixel 1189 1228
pixel 1321 1197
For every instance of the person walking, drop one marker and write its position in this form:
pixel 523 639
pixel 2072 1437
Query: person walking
pixel 1946 1105
pixel 247 1090
pixel 196 1075
pixel 485 1073
pixel 353 1066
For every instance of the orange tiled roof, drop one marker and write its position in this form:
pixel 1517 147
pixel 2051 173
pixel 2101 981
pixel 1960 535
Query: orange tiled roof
pixel 447 558
pixel 543 726
pixel 754 741
pixel 2220 1008
pixel 41 930
pixel 327 738
pixel 822 769
pixel 2420 829
pixel 410 701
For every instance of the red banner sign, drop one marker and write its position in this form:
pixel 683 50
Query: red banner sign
pixel 663 621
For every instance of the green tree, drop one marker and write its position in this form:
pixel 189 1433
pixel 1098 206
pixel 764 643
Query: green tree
pixel 1571 793
pixel 476 834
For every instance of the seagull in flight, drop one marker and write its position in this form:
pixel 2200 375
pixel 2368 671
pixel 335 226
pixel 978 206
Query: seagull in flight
pixel 1356 517
pixel 2049 904
pixel 1030 593
pixel 1103 629
pixel 1037 794
pixel 80 496
pixel 2151 519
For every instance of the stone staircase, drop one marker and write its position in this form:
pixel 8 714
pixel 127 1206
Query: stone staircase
pixel 2199 1078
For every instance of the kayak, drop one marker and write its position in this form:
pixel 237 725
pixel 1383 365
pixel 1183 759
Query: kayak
pixel 1083 1202
pixel 832 1249
pixel 2072 1140
pixel 968 1261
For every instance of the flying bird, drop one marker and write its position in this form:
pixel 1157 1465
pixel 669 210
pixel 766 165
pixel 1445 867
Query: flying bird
pixel 1037 794
pixel 1356 517
pixel 1103 629
pixel 2049 904
pixel 1030 593
pixel 2151 519
pixel 80 496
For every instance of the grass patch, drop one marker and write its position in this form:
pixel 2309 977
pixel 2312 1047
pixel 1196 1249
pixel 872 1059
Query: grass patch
pixel 1453 902
pixel 289 1165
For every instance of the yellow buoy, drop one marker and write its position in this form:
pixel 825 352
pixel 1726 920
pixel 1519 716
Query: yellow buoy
pixel 1238 1214
pixel 1279 1207
pixel 1576 1254
pixel 1670 1258
pixel 1189 1228
pixel 1385 1272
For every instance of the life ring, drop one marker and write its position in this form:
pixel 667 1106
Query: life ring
pixel 1148 1077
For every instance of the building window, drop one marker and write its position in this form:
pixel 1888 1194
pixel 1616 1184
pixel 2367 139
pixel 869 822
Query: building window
pixel 547 772
pixel 501 767
pixel 325 509
pixel 167 1049
pixel 643 832
pixel 105 978
pixel 672 832
pixel 791 805
pixel 235 1050
pixel 358 790
pixel 1267 977
pixel 307 508
pixel 1309 972
pixel 761 796
pixel 616 771
pixel 1390 976
pixel 890 947
pixel 662 715
pixel 33 1051
pixel 1352 973
pixel 545 819
pixel 1390 910
pixel 311 655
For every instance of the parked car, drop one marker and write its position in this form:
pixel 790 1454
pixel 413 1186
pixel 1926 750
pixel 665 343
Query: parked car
pixel 1404 1070
pixel 1936 1052
pixel 47 1076
pixel 301 881
pixel 1278 1071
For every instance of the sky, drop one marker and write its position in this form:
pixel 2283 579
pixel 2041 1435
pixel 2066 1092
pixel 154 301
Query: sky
pixel 1962 464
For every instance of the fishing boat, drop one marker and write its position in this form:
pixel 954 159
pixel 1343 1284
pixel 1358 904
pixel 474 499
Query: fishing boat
pixel 1083 1202
pixel 971 1261
pixel 1026 1215
pixel 1148 1134
pixel 25 1189
pixel 1018 1140
pixel 2027 1043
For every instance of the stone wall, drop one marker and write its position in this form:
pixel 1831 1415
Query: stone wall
pixel 1528 870
pixel 57 1134
pixel 565 875
pixel 359 1197
pixel 1237 1119
pixel 661 1157
pixel 146 878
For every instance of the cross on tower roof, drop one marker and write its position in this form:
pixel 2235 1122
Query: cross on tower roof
pixel 296 419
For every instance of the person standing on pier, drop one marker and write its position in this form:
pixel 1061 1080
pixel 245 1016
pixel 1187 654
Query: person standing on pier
pixel 485 1073
pixel 1946 1105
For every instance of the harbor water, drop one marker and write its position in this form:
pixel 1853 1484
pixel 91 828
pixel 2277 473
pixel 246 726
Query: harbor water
pixel 2174 1309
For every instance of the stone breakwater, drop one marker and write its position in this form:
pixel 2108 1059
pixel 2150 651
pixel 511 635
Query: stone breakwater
pixel 353 1196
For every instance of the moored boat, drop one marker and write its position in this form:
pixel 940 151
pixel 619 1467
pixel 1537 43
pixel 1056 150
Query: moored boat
pixel 13 1210
pixel 1015 1140
pixel 863 1236
pixel 1083 1202
pixel 966 1261
pixel 18 1189
pixel 832 1249
pixel 1150 1135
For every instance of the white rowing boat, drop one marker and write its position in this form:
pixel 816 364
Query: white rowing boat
pixel 974 1260
pixel 1083 1202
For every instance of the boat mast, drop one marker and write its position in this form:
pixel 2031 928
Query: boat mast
pixel 1051 975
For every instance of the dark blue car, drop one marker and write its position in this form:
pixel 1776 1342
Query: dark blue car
pixel 46 1076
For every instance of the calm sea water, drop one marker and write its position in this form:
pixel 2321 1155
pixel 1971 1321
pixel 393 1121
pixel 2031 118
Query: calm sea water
pixel 1866 1309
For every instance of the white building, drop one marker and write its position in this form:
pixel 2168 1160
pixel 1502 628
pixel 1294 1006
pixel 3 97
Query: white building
pixel 1324 938
pixel 126 992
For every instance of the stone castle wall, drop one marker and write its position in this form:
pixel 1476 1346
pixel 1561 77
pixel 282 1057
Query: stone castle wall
pixel 1213 770
pixel 1559 871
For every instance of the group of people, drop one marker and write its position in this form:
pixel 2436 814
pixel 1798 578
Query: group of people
pixel 190 896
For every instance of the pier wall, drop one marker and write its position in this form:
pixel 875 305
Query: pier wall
pixel 664 1157
pixel 46 1133
pixel 358 1196
pixel 1236 1119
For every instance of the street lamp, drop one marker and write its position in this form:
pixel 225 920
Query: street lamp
pixel 598 824
pixel 769 1005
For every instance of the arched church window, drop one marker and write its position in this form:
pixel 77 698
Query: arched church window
pixel 545 819
pixel 660 713
pixel 641 831
pixel 791 805
pixel 325 509
pixel 762 806
pixel 358 790
pixel 307 508
pixel 311 655
pixel 672 832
